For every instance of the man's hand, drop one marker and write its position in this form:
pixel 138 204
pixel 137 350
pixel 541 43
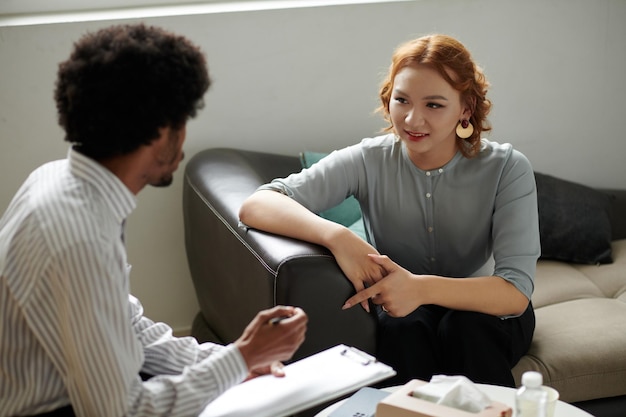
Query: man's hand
pixel 276 369
pixel 265 343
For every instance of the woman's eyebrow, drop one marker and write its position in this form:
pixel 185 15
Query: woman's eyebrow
pixel 435 97
pixel 430 97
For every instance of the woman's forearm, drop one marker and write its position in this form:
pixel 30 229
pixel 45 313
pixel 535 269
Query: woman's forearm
pixel 490 295
pixel 274 212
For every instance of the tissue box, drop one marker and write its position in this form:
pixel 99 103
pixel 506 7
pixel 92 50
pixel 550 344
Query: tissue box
pixel 402 404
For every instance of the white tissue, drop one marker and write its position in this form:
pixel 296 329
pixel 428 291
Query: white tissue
pixel 453 391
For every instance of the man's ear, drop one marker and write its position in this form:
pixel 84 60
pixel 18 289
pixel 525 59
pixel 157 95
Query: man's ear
pixel 164 133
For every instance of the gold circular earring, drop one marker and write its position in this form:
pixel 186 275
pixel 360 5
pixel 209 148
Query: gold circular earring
pixel 464 129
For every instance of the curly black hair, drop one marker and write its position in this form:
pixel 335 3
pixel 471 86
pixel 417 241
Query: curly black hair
pixel 122 83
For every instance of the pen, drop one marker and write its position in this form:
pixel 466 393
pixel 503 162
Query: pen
pixel 276 320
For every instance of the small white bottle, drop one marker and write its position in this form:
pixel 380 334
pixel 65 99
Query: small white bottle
pixel 530 399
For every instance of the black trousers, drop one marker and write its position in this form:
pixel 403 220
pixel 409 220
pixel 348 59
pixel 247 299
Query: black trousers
pixel 68 411
pixel 435 340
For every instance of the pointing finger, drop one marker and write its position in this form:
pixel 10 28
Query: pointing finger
pixel 361 297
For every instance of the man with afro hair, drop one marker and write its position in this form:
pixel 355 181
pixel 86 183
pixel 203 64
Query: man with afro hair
pixel 73 340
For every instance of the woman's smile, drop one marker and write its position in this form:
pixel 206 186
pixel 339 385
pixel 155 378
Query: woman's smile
pixel 415 136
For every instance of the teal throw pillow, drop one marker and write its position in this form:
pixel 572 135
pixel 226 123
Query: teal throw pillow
pixel 347 213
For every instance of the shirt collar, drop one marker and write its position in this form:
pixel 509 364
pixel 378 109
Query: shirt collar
pixel 119 198
pixel 431 172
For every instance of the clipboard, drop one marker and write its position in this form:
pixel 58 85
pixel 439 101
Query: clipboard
pixel 313 380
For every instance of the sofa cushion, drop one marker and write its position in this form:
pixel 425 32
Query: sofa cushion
pixel 610 279
pixel 579 347
pixel 557 282
pixel 579 343
pixel 574 222
pixel 348 213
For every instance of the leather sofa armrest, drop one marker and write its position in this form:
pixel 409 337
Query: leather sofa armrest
pixel 237 271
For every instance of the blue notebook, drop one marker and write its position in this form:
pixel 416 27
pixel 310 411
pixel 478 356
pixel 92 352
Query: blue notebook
pixel 361 404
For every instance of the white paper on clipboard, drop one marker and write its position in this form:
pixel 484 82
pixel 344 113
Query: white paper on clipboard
pixel 310 381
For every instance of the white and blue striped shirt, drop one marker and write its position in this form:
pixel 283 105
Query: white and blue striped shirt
pixel 70 332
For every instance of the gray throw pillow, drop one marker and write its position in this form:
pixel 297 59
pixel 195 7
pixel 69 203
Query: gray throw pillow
pixel 574 222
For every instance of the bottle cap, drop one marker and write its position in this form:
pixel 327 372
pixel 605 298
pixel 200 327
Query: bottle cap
pixel 532 379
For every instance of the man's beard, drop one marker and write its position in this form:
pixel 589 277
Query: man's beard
pixel 165 181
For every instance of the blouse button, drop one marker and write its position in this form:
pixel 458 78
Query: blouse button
pixel 440 170
pixel 428 173
pixel 430 229
pixel 428 195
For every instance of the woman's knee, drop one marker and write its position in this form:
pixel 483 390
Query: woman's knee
pixel 462 327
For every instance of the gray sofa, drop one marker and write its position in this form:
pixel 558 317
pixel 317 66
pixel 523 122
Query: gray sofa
pixel 580 337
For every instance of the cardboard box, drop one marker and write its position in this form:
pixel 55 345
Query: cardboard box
pixel 402 404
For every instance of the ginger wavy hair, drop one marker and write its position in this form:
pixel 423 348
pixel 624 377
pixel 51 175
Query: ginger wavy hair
pixel 454 63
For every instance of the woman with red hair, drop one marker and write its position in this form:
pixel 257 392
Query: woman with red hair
pixel 450 218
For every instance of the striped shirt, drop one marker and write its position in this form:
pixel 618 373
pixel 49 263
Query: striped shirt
pixel 70 332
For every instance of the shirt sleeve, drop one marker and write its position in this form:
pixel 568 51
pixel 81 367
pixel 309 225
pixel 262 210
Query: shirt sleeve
pixel 187 375
pixel 515 221
pixel 310 186
pixel 99 352
pixel 187 393
pixel 165 354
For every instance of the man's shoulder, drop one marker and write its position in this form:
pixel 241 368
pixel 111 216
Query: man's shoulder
pixel 62 205
pixel 53 190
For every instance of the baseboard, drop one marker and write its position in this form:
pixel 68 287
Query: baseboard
pixel 182 331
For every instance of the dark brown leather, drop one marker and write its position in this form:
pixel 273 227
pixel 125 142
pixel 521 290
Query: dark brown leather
pixel 237 271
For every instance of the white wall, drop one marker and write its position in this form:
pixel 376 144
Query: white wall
pixel 290 80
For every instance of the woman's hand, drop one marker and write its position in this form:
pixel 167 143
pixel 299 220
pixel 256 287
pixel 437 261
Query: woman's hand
pixel 276 213
pixel 352 255
pixel 400 292
pixel 397 293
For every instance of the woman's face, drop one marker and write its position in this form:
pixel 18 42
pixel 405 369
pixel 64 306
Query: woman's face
pixel 424 110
